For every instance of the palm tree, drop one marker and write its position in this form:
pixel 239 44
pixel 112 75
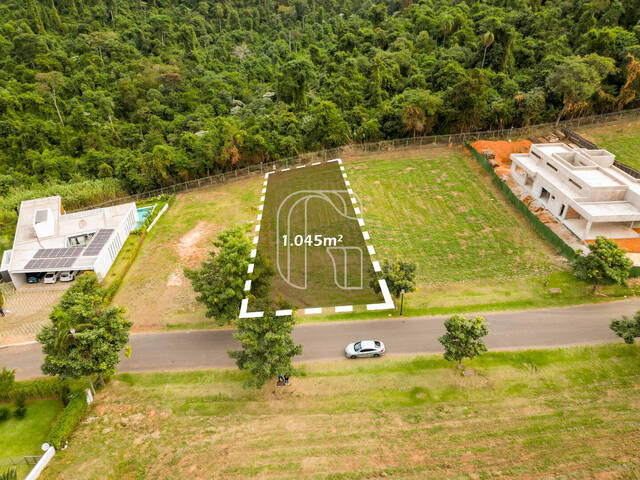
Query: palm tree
pixel 487 41
pixel 413 119
pixel 447 25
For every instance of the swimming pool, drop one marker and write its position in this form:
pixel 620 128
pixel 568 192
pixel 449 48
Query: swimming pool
pixel 143 213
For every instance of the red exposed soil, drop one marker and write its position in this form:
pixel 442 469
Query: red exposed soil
pixel 502 149
pixel 631 245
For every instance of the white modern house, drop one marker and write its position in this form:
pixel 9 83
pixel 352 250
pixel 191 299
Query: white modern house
pixel 48 240
pixel 582 188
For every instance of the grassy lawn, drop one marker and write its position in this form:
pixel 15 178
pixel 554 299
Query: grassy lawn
pixel 24 437
pixel 622 139
pixel 155 291
pixel 313 203
pixel 437 207
pixel 562 413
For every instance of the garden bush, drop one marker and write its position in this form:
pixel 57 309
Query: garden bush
pixel 21 409
pixel 4 414
pixel 68 420
pixel 9 474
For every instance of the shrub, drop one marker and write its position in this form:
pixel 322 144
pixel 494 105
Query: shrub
pixel 69 420
pixel 4 414
pixel 9 474
pixel 7 377
pixel 21 409
pixel 65 394
pixel 20 412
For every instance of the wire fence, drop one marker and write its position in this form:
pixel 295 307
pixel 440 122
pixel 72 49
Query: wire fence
pixel 16 461
pixel 355 149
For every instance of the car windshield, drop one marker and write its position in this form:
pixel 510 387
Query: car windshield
pixel 357 347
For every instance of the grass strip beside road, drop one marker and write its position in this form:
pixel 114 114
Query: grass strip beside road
pixel 557 412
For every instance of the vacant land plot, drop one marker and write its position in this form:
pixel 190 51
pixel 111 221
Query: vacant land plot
pixel 436 208
pixel 622 139
pixel 155 291
pixel 570 413
pixel 20 437
pixel 310 235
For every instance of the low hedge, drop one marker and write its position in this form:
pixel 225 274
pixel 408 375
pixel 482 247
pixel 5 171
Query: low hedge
pixel 68 420
pixel 47 387
pixel 32 389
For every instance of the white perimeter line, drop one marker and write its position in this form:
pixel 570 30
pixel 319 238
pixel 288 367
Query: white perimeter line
pixel 388 301
pixel 344 308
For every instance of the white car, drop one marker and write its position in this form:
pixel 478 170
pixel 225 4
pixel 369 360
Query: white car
pixel 364 348
pixel 51 277
pixel 68 276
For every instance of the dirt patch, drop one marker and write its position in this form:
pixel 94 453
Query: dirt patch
pixel 502 149
pixel 187 247
pixel 176 279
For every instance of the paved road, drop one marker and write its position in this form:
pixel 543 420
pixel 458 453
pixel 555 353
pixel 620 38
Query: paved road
pixel 586 324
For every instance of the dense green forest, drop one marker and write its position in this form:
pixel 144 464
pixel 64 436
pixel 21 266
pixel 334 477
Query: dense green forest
pixel 100 98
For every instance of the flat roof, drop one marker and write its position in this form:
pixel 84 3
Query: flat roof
pixel 595 177
pixel 26 243
pixel 551 148
pixel 604 209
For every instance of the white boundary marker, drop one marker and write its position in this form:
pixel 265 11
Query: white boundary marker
pixel 388 301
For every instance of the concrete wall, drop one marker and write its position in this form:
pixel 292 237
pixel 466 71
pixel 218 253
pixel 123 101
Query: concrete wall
pixel 110 251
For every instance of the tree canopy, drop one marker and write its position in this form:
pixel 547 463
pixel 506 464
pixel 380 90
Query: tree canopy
pixel 267 346
pixel 463 338
pixel 606 262
pixel 86 334
pixel 127 96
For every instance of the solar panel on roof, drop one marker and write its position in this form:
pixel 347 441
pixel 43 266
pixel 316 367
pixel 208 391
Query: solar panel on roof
pixel 98 242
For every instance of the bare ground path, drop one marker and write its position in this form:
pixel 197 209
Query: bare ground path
pixel 584 324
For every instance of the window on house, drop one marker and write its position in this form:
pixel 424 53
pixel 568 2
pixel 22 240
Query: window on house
pixel 552 167
pixel 544 195
pixel 577 185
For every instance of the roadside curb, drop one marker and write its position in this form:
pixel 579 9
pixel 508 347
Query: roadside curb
pixel 19 344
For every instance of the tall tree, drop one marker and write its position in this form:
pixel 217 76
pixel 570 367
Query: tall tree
pixel 463 338
pixel 606 262
pixel 86 334
pixel 487 41
pixel 400 276
pixel 51 82
pixel 294 80
pixel 576 79
pixel 220 280
pixel 267 346
pixel 627 328
pixel 32 5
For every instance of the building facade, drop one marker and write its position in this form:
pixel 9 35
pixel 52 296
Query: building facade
pixel 48 240
pixel 582 188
